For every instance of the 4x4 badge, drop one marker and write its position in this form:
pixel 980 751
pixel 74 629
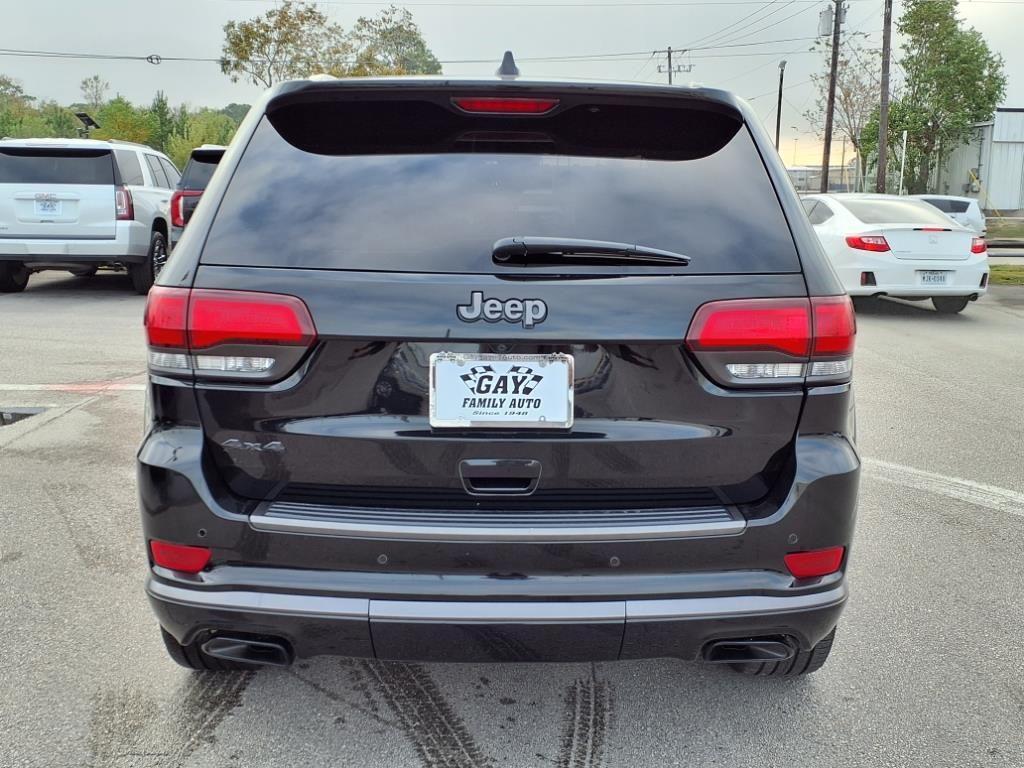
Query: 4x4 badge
pixel 529 312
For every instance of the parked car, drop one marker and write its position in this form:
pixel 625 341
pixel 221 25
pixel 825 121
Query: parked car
pixel 965 211
pixel 198 170
pixel 495 370
pixel 886 245
pixel 79 204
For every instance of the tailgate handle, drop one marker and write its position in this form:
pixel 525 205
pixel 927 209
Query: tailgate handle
pixel 499 477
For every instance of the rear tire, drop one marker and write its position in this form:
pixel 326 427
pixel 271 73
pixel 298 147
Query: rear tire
pixel 145 273
pixel 192 657
pixel 803 663
pixel 13 276
pixel 950 305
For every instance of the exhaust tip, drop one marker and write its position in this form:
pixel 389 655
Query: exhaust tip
pixel 247 651
pixel 749 649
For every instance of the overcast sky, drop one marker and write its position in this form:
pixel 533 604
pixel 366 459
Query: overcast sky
pixel 481 29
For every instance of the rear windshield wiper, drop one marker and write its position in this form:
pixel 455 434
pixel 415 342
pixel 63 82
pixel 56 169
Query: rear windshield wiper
pixel 539 250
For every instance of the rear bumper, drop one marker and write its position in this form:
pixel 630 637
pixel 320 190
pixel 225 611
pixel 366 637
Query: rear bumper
pixel 421 630
pixel 485 598
pixel 131 244
pixel 895 277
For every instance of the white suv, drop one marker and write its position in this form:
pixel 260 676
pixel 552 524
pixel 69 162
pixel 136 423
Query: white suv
pixel 78 204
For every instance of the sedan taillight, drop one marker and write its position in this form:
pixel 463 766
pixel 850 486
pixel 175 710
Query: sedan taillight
pixel 875 243
pixel 978 245
pixel 757 342
pixel 226 334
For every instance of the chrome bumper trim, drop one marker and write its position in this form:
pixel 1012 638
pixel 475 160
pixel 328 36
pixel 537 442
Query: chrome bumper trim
pixel 471 525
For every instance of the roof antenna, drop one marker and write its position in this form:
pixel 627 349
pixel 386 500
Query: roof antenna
pixel 508 66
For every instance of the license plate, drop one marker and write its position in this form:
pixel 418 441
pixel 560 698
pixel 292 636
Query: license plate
pixel 47 207
pixel 934 277
pixel 484 390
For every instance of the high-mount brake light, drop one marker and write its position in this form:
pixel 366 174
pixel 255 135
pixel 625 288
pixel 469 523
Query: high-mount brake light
pixel 978 245
pixel 775 342
pixel 225 334
pixel 501 105
pixel 123 205
pixel 875 243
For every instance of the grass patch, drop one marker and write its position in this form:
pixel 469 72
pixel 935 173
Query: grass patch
pixel 1006 274
pixel 999 229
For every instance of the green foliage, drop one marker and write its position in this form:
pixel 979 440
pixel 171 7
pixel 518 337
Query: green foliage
pixel 953 80
pixel 163 122
pixel 236 112
pixel 204 127
pixel 293 39
pixel 118 119
pixel 391 44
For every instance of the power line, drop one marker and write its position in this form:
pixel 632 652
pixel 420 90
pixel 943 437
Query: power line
pixel 157 59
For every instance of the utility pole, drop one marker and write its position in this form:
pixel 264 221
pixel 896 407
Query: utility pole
pixel 883 112
pixel 837 20
pixel 903 162
pixel 669 68
pixel 778 110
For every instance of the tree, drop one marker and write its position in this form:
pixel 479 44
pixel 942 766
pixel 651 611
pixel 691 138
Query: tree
pixel 856 96
pixel 60 121
pixel 390 44
pixel 204 127
pixel 120 120
pixel 94 91
pixel 291 40
pixel 163 121
pixel 236 112
pixel 953 80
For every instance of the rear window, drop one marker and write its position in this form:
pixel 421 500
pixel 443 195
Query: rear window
pixel 413 187
pixel 948 206
pixel 896 212
pixel 55 166
pixel 199 170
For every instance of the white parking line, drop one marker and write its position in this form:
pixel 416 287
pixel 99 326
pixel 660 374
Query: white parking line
pixel 982 494
pixel 86 388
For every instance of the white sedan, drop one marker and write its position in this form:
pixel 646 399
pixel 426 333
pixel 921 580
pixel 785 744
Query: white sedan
pixel 884 245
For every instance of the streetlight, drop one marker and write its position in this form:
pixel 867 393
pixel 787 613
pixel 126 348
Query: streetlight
pixel 795 140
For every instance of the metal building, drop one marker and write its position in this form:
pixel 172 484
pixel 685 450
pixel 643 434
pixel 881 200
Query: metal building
pixel 991 166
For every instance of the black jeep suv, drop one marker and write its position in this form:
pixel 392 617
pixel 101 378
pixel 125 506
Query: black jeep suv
pixel 499 370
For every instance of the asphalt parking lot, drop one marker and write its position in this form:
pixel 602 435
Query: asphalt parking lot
pixel 926 670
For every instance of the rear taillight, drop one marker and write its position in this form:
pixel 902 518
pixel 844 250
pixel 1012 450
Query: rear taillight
pixel 815 563
pixel 758 342
pixel 178 205
pixel 875 243
pixel 226 334
pixel 123 204
pixel 177 214
pixel 978 245
pixel 489 105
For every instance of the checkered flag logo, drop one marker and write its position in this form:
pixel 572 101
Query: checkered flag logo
pixel 535 378
pixel 475 373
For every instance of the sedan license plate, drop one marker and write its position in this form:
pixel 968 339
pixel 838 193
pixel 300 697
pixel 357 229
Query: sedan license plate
pixel 934 277
pixel 514 391
pixel 47 207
